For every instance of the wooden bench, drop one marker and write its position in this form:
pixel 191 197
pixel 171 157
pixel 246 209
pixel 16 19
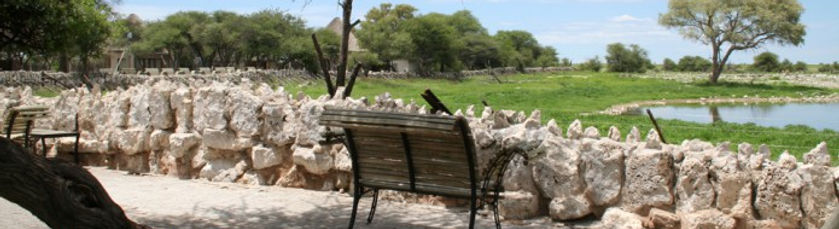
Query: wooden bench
pixel 19 124
pixel 425 154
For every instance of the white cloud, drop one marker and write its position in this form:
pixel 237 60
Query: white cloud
pixel 620 29
pixel 628 18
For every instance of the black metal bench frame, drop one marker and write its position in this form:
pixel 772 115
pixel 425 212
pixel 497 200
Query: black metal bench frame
pixel 30 133
pixel 483 189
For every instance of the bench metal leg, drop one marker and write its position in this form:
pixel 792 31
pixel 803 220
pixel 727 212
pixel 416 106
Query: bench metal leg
pixel 76 149
pixel 373 208
pixel 356 198
pixel 473 208
pixel 44 146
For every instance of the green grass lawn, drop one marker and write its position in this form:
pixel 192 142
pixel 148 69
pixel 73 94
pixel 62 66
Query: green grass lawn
pixel 567 96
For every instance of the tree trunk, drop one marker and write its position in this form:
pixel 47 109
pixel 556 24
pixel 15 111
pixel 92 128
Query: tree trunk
pixel 345 43
pixel 63 62
pixel 60 194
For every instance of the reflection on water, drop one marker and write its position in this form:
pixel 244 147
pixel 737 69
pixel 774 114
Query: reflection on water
pixel 816 115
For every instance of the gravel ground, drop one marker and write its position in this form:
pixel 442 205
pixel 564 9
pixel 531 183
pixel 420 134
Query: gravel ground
pixel 165 202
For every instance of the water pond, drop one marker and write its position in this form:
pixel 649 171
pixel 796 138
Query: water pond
pixel 816 115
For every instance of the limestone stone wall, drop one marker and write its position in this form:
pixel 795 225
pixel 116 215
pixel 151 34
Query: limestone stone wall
pixel 250 133
pixel 111 82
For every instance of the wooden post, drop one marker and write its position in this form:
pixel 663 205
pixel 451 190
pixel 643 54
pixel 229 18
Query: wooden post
pixel 436 104
pixel 657 129
pixel 323 66
pixel 351 83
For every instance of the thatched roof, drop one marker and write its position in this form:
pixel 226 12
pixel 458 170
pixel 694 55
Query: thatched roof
pixel 337 26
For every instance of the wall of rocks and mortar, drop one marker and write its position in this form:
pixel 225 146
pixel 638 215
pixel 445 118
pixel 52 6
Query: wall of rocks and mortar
pixel 249 133
pixel 110 82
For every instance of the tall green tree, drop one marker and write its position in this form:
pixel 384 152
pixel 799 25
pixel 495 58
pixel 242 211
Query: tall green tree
pixel 694 64
pixel 383 31
pixel 729 26
pixel 433 43
pixel 766 62
pixel 518 48
pixel 619 58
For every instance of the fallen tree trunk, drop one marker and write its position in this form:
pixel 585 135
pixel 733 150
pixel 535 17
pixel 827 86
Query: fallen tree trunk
pixel 59 193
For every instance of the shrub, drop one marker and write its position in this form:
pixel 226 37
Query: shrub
pixel 766 62
pixel 669 65
pixel 565 62
pixel 621 59
pixel 800 66
pixel 592 64
pixel 694 64
pixel 785 66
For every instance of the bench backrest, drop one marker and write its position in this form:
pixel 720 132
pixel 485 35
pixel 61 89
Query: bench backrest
pixel 19 120
pixel 409 152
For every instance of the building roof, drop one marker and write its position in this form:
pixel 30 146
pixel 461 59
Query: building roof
pixel 337 26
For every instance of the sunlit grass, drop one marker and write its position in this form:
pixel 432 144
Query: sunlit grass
pixel 570 95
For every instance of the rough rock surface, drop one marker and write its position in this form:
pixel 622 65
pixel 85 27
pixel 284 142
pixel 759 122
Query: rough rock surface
pixel 314 162
pixel 694 191
pixel 571 207
pixel 710 218
pixel 649 176
pixel 603 163
pixel 777 196
pixel 663 219
pixel 180 144
pixel 264 157
pixel 818 197
pixel 519 205
pixel 617 218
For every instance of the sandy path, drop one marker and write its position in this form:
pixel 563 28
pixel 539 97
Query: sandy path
pixel 164 202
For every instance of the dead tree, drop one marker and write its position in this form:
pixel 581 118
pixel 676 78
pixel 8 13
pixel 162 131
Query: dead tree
pixel 340 78
pixel 61 194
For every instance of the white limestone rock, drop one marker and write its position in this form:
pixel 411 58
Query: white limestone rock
pixel 181 144
pixel 343 162
pixel 649 178
pixel 653 140
pixel 633 136
pixel 557 172
pixel 663 219
pixel 224 170
pixel 614 133
pixel 603 171
pixel 591 132
pixel 133 141
pixel 265 157
pixel 275 116
pixel 181 102
pixel 787 161
pixel 818 196
pixel 694 191
pixel 575 130
pixel 818 156
pixel 617 218
pixel 570 207
pixel 778 196
pixel 519 205
pixel 161 115
pixel 710 218
pixel 225 140
pixel 519 176
pixel 208 110
pixel 244 109
pixel 159 140
pixel 553 129
pixel 139 115
pixel 315 163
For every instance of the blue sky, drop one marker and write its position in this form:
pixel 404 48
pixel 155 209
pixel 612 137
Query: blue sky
pixel 579 29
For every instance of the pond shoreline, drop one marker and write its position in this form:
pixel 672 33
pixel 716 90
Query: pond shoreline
pixel 625 107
